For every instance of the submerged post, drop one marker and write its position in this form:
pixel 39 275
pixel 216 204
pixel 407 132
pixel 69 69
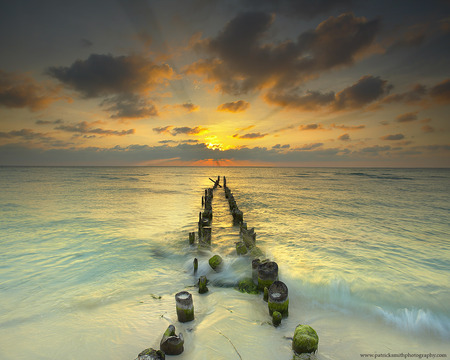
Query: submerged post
pixel 184 306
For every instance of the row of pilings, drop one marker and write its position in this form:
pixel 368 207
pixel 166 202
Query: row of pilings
pixel 264 281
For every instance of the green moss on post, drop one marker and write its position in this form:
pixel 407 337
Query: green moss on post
pixel 202 288
pixel 216 262
pixel 184 306
pixel 191 238
pixel 266 294
pixel 267 274
pixel 278 298
pixel 305 339
pixel 247 285
pixel 241 249
pixel 276 318
pixel 170 343
pixel 151 354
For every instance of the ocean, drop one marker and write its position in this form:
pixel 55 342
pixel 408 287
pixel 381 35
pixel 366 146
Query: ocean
pixel 92 257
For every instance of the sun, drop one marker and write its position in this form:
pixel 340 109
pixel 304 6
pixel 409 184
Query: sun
pixel 212 142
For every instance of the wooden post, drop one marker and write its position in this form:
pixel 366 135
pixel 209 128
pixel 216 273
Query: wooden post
pixel 195 265
pixel 170 343
pixel 191 238
pixel 184 306
pixel 267 274
pixel 202 288
pixel 278 298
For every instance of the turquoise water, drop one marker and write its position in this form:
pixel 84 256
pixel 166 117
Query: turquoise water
pixel 92 258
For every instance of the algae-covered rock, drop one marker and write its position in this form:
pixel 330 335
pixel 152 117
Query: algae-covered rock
pixel 305 339
pixel 216 262
pixel 241 249
pixel 151 354
pixel 170 343
pixel 276 318
pixel 247 285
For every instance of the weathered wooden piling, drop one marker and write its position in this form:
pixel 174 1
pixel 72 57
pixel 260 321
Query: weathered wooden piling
pixel 191 238
pixel 170 343
pixel 202 288
pixel 195 266
pixel 241 249
pixel 248 237
pixel 151 354
pixel 255 266
pixel 278 298
pixel 184 306
pixel 267 274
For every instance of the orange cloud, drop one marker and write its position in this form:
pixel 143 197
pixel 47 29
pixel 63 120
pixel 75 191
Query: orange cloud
pixel 21 91
pixel 234 107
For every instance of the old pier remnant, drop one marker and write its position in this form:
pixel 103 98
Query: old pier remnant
pixel 184 306
pixel 267 274
pixel 278 299
pixel 170 343
pixel 202 288
pixel 151 354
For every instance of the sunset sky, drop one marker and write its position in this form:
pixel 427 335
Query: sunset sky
pixel 225 82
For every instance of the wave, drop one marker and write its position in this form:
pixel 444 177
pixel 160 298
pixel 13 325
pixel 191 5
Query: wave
pixel 417 321
pixel 339 295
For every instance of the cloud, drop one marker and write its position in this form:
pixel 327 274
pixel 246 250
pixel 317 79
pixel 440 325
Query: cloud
pixel 188 130
pixel 375 149
pixel 104 75
pixel 298 8
pixel 348 127
pixel 279 146
pixel 189 107
pixel 407 117
pixel 163 130
pixel 47 122
pixel 365 91
pixel 20 91
pixel 250 136
pixel 86 128
pixel 234 107
pixel 308 147
pixel 441 92
pixel 27 134
pixel 311 127
pixel 311 101
pixel 393 137
pixel 415 95
pixel 344 137
pixel 427 129
pixel 240 63
pixel 130 106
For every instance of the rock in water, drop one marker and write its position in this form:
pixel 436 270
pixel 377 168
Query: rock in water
pixel 305 339
pixel 216 262
pixel 172 344
pixel 151 354
pixel 247 285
